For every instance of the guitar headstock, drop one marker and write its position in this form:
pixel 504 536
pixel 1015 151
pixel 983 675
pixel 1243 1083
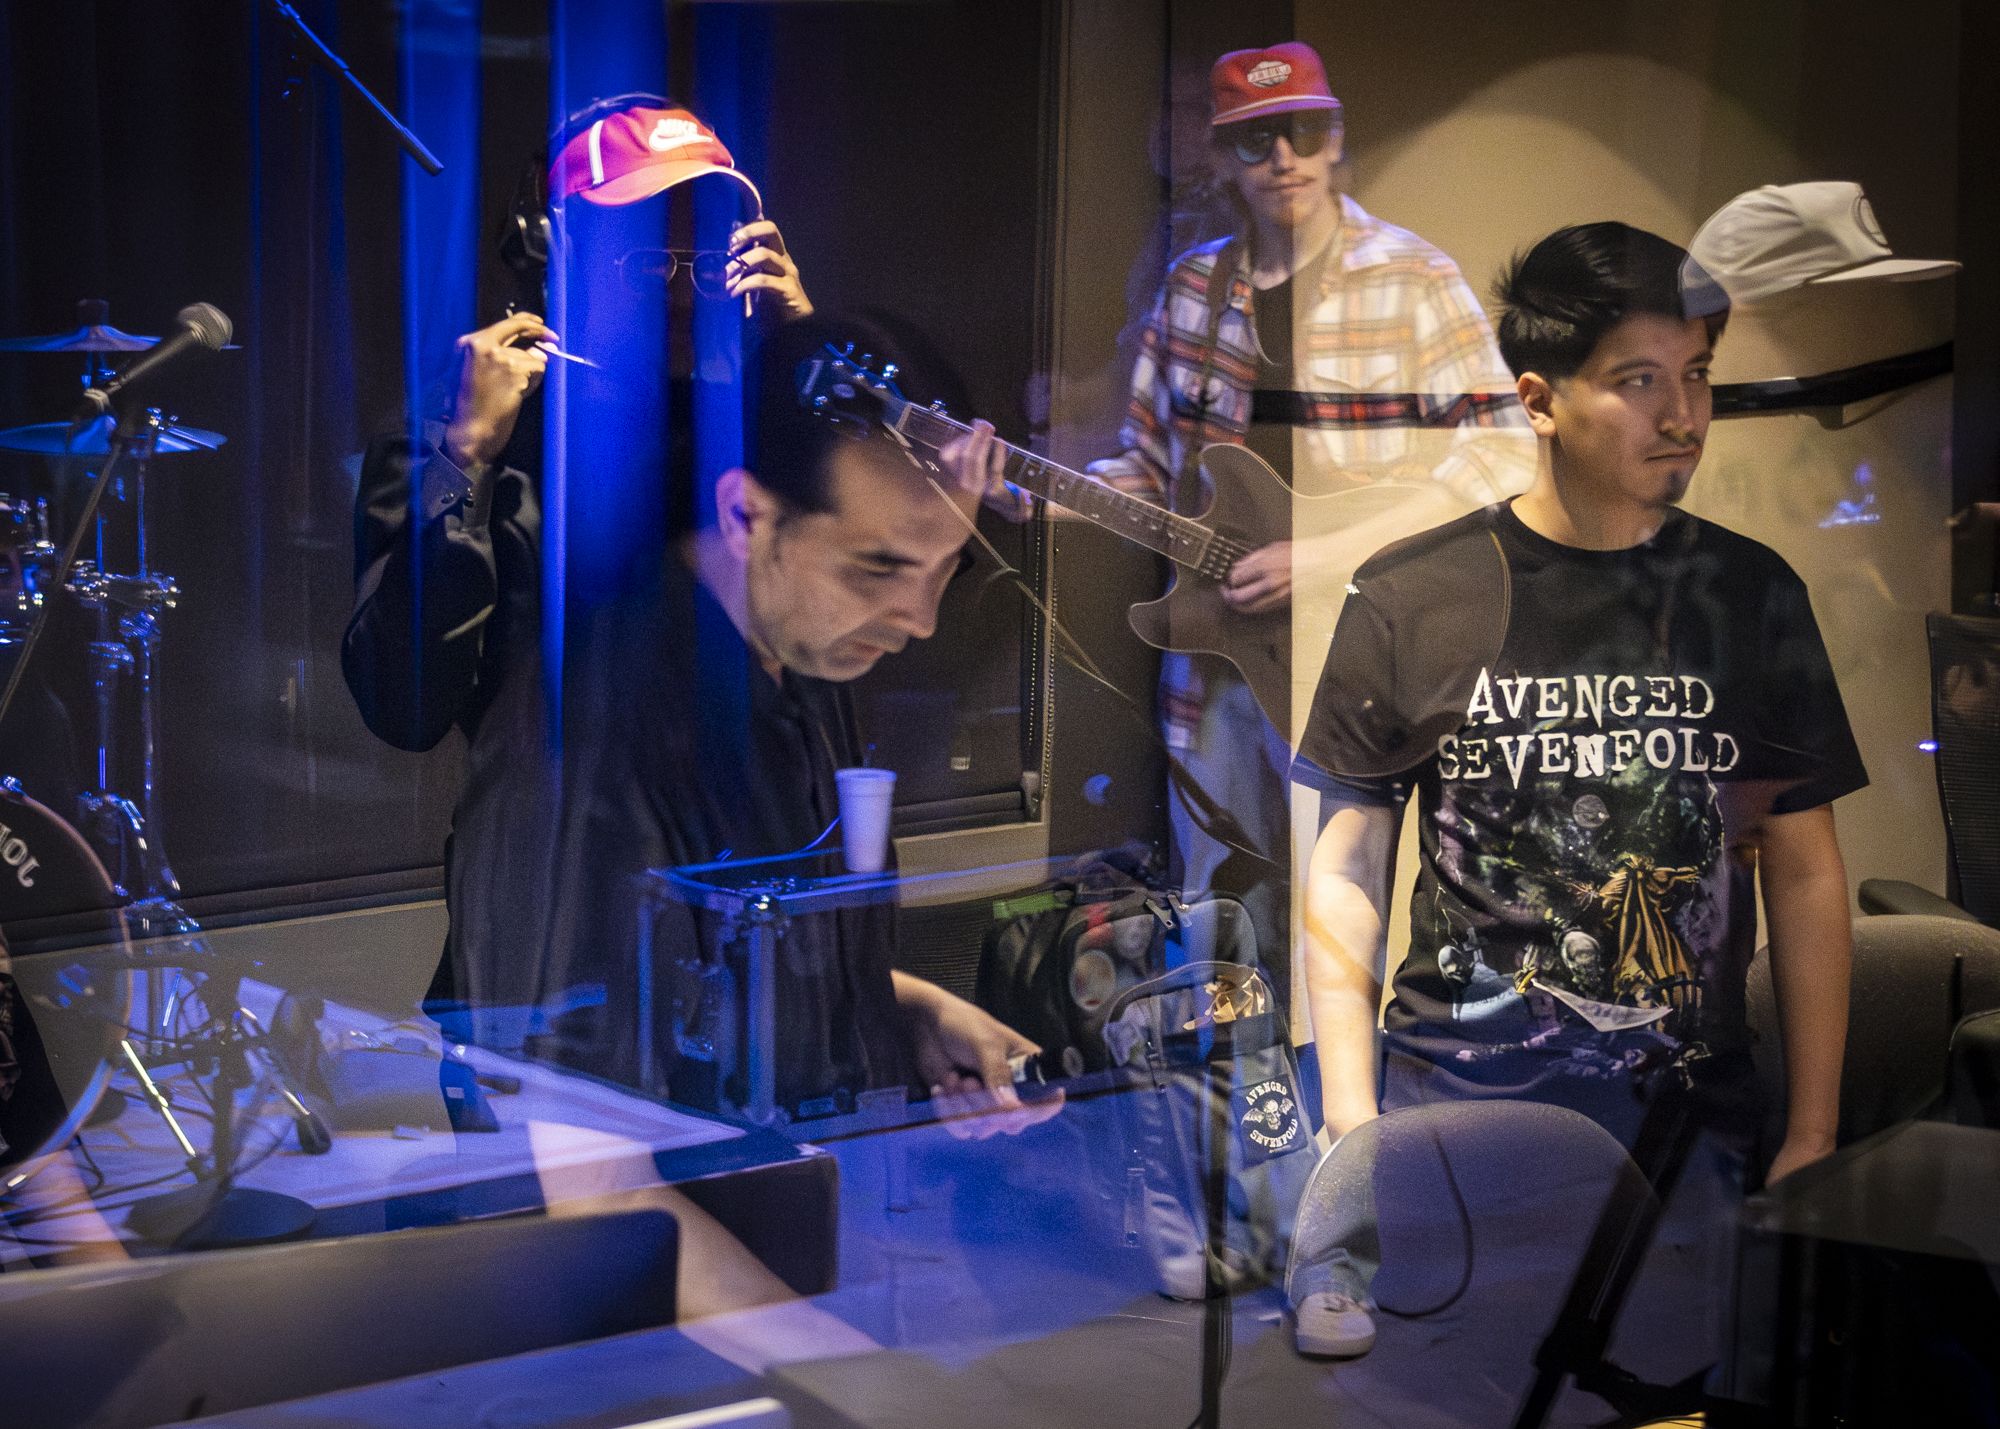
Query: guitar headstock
pixel 844 388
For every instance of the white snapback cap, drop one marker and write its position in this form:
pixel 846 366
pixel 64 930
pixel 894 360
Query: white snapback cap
pixel 1782 236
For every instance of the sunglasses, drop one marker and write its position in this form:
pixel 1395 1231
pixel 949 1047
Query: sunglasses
pixel 647 271
pixel 1306 131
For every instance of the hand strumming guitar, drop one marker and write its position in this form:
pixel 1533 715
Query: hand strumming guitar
pixel 1258 583
pixel 1262 580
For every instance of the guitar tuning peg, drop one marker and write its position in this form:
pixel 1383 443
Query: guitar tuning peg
pixel 867 359
pixel 938 406
pixel 889 373
pixel 850 350
pixel 821 400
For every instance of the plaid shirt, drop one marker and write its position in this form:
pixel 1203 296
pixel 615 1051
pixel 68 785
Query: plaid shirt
pixel 1405 381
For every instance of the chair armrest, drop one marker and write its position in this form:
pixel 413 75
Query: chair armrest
pixel 1893 895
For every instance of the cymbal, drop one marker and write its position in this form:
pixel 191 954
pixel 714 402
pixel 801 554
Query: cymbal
pixel 93 337
pixel 96 335
pixel 61 439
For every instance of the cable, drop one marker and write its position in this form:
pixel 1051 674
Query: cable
pixel 1465 1225
pixel 1207 818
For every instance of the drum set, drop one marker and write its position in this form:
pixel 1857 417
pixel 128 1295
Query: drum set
pixel 149 1000
pixel 123 827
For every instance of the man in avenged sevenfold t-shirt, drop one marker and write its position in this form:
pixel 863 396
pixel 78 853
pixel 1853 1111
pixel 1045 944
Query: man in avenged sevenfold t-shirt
pixel 1613 717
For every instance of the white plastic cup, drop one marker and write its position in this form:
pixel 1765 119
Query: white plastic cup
pixel 865 796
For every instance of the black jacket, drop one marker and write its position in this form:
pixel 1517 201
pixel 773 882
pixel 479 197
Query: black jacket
pixel 673 746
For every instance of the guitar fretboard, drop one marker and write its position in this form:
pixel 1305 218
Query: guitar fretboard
pixel 1182 540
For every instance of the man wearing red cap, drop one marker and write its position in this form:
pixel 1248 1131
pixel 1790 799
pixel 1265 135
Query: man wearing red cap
pixel 704 714
pixel 1327 341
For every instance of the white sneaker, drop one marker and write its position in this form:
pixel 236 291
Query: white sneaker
pixel 1334 1326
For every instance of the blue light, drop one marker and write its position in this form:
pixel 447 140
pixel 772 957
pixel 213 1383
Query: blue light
pixel 1858 512
pixel 1928 746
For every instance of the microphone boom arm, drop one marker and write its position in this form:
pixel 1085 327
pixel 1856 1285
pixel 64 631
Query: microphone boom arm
pixel 412 145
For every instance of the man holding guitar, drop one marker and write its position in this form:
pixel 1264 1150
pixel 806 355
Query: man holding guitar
pixel 1321 340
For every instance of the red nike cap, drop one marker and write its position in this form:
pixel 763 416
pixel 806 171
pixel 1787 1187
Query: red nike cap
pixel 637 153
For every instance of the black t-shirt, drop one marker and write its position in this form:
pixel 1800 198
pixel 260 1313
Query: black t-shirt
pixel 1271 311
pixel 1592 736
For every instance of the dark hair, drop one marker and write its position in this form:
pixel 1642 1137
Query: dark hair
pixel 793 442
pixel 1557 300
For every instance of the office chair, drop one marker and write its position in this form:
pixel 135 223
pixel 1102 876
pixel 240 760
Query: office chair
pixel 1915 977
pixel 1965 721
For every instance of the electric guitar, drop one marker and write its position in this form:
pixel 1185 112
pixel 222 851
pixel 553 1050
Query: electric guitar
pixel 1250 508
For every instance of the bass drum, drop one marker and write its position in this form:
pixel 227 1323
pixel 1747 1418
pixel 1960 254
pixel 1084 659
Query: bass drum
pixel 64 1011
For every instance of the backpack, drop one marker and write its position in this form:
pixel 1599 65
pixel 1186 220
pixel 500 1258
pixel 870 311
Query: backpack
pixel 1063 953
pixel 1213 1124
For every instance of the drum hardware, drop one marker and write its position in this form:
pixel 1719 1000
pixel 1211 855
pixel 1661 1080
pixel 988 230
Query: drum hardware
pixel 215 1211
pixel 128 641
pixel 139 599
pixel 143 595
pixel 157 1099
pixel 180 970
pixel 26 561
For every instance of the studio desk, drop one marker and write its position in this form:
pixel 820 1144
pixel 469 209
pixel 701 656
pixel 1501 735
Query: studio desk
pixel 944 1280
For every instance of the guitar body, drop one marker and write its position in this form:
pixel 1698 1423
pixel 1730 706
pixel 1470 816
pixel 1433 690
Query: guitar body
pixel 1250 504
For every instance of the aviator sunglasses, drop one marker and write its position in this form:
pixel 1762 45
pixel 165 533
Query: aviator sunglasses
pixel 649 270
pixel 1306 131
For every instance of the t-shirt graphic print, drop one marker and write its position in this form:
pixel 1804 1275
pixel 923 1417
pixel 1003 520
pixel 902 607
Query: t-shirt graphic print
pixel 1594 739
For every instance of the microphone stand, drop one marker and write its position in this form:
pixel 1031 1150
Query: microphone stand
pixel 215 1212
pixel 412 145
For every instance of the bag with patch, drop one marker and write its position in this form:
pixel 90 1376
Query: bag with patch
pixel 1064 953
pixel 1215 1131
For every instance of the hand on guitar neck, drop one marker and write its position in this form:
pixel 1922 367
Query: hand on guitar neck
pixel 977 461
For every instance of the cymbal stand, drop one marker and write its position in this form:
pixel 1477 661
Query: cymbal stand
pixel 214 1211
pixel 129 607
pixel 137 601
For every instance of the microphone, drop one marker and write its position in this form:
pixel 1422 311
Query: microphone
pixel 1038 1069
pixel 200 325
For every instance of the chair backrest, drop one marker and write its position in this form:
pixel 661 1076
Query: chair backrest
pixel 1491 1198
pixel 1914 978
pixel 1965 717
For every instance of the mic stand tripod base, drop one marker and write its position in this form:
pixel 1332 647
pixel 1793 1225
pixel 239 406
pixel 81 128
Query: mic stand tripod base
pixel 212 1215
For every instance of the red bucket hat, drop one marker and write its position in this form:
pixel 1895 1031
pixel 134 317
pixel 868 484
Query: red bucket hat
pixel 1252 83
pixel 636 153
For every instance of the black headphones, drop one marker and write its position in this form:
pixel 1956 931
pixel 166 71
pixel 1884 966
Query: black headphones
pixel 525 238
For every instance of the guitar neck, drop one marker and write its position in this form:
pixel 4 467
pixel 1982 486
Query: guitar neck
pixel 1182 540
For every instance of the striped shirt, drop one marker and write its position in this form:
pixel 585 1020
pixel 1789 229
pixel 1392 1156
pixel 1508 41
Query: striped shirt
pixel 1406 383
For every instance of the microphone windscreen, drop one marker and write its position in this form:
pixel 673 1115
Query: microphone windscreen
pixel 209 324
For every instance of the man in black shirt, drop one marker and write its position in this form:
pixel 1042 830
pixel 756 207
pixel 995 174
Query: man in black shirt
pixel 703 714
pixel 1614 718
